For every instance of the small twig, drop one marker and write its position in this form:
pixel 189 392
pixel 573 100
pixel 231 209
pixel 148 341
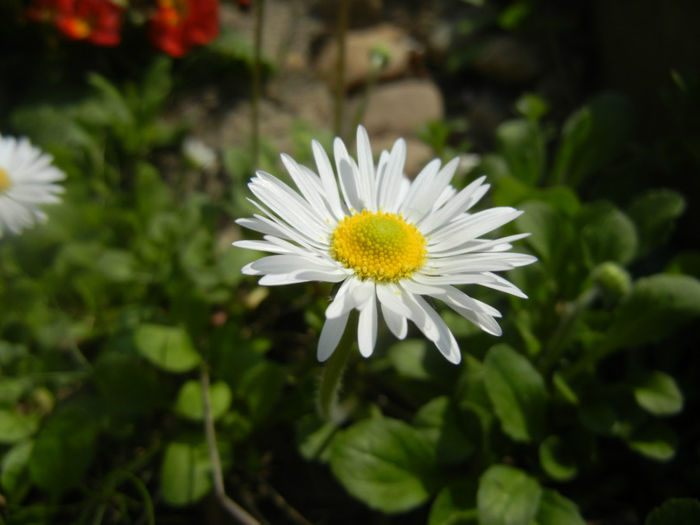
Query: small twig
pixel 230 506
pixel 277 498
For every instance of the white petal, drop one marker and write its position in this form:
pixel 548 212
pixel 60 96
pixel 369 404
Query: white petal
pixel 397 323
pixel 303 276
pixel 365 162
pixel 457 205
pixel 389 294
pixel 468 227
pixel 367 327
pixel 345 299
pixel 328 180
pixel 331 333
pixel 348 174
pixel 435 329
pixel 393 178
pixel 478 245
pixel 425 188
pixel 310 189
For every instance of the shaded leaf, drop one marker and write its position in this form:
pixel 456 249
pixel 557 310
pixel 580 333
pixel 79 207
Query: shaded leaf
pixel 556 460
pixel 656 441
pixel 676 511
pixel 655 307
pixel 14 463
pixel 654 213
pixel 185 473
pixel 592 137
pixel 64 449
pixel 607 234
pixel 517 392
pixel 443 426
pixel 522 144
pixel 455 504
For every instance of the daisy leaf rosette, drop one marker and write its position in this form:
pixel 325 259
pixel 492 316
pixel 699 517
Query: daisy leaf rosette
pixel 27 181
pixel 390 242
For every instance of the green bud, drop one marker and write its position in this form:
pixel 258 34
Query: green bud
pixel 613 280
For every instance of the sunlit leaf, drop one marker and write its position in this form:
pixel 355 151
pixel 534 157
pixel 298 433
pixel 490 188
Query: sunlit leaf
pixel 555 509
pixel 167 347
pixel 189 403
pixel 14 464
pixel 507 496
pixel 385 463
pixel 658 394
pixel 16 426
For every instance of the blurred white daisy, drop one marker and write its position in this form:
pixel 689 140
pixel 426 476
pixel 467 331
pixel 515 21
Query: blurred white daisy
pixel 389 240
pixel 27 180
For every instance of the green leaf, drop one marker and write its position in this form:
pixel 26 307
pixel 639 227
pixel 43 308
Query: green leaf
pixel 555 509
pixel 675 511
pixel 444 426
pixel 658 394
pixel 185 473
pixel 385 463
pixel 14 464
pixel 607 234
pixel 455 504
pixel 655 307
pixel 189 403
pixel 654 213
pixel 417 359
pixel 64 449
pixel 507 496
pixel 261 387
pixel 522 144
pixel 556 460
pixel 656 441
pixel 509 191
pixel 167 347
pixel 532 106
pixel 16 426
pixel 517 392
pixel 591 138
pixel 544 224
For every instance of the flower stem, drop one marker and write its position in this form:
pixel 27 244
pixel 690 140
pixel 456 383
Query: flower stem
pixel 341 33
pixel 259 6
pixel 331 379
pixel 233 508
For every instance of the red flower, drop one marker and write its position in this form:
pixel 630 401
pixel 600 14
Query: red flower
pixel 97 21
pixel 178 25
pixel 42 10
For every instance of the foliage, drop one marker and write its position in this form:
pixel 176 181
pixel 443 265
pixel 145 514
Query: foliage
pixel 112 310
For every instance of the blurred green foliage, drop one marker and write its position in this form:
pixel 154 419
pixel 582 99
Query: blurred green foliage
pixel 112 309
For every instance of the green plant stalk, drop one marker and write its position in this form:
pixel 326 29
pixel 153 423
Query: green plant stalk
pixel 233 508
pixel 562 335
pixel 332 377
pixel 259 6
pixel 339 95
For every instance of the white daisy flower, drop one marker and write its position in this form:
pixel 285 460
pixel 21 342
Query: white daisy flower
pixel 27 180
pixel 389 240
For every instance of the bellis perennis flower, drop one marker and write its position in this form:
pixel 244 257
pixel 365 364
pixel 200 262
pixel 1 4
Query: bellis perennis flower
pixel 27 180
pixel 390 241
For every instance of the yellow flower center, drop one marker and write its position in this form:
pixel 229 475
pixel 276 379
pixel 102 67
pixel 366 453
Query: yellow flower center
pixel 379 246
pixel 5 181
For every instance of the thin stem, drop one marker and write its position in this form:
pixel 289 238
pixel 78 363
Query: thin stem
pixel 562 335
pixel 331 379
pixel 230 506
pixel 341 33
pixel 259 6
